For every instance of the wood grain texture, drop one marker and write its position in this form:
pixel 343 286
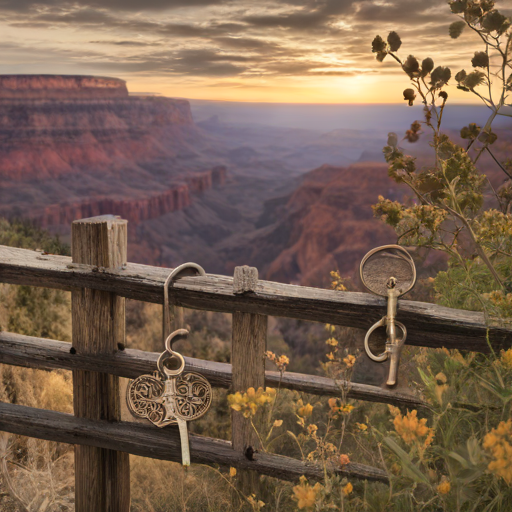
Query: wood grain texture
pixel 427 324
pixel 248 346
pixel 102 476
pixel 148 441
pixel 245 279
pixel 20 350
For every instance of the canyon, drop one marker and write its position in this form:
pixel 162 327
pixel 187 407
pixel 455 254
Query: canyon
pixel 193 186
pixel 77 146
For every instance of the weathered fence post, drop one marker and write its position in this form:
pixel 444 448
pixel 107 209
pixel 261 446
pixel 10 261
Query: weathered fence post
pixel 249 343
pixel 102 477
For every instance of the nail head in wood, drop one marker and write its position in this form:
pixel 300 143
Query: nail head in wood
pixel 245 279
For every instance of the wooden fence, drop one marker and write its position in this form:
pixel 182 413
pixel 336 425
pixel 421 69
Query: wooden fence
pixel 100 279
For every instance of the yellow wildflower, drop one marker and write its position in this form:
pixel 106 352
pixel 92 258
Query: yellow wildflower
pixel 312 430
pixel 330 356
pixel 281 362
pixel 270 355
pixel 248 402
pixel 506 358
pixel 278 423
pixel 346 408
pixel 330 448
pixel 444 487
pixel 347 489
pixel 395 411
pixel 499 443
pixel 441 386
pixel 411 429
pixel 232 472
pixel 304 410
pixel 306 495
pixel 332 342
pixel 344 459
pixel 362 427
pixel 341 408
pixel 349 360
pixel 256 504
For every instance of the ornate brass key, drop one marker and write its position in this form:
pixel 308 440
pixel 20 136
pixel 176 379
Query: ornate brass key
pixel 170 396
pixel 388 271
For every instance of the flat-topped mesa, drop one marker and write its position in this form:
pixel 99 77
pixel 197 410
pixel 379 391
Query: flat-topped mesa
pixel 60 87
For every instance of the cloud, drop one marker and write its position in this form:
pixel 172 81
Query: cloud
pixel 305 18
pixel 227 38
pixel 118 5
pixel 128 43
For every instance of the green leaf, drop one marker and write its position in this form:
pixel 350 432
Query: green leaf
pixel 460 459
pixel 410 469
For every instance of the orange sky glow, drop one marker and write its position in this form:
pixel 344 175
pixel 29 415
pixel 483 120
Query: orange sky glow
pixel 291 51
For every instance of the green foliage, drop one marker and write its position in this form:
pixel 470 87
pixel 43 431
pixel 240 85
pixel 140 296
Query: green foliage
pixel 24 234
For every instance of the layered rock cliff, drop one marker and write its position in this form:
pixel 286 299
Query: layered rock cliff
pixel 60 87
pixel 77 146
pixel 135 211
pixel 326 224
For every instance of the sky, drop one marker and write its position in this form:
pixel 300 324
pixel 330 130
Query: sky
pixel 296 51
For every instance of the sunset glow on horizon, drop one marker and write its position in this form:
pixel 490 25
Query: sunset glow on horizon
pixel 287 51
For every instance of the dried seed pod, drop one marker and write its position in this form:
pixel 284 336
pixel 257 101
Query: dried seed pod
pixel 411 66
pixel 410 96
pixel 440 76
pixel 392 139
pixel 378 44
pixel 480 60
pixel 394 41
pixel 456 28
pixel 427 66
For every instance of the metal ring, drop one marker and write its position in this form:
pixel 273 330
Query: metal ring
pixel 371 355
pixel 381 323
pixel 406 256
pixel 168 350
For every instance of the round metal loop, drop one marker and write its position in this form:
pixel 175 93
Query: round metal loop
pixel 382 323
pixel 166 371
pixel 169 353
pixel 383 263
pixel 371 355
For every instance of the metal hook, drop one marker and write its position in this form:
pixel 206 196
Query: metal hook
pixel 179 271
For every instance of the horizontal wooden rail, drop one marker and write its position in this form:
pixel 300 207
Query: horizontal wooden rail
pixel 427 324
pixel 148 441
pixel 19 350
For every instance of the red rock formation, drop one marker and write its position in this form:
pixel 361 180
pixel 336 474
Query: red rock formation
pixel 60 87
pixel 135 210
pixel 219 175
pixel 76 146
pixel 326 224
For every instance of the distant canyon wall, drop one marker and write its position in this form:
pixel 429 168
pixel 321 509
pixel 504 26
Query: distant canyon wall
pixel 135 211
pixel 78 146
pixel 59 87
